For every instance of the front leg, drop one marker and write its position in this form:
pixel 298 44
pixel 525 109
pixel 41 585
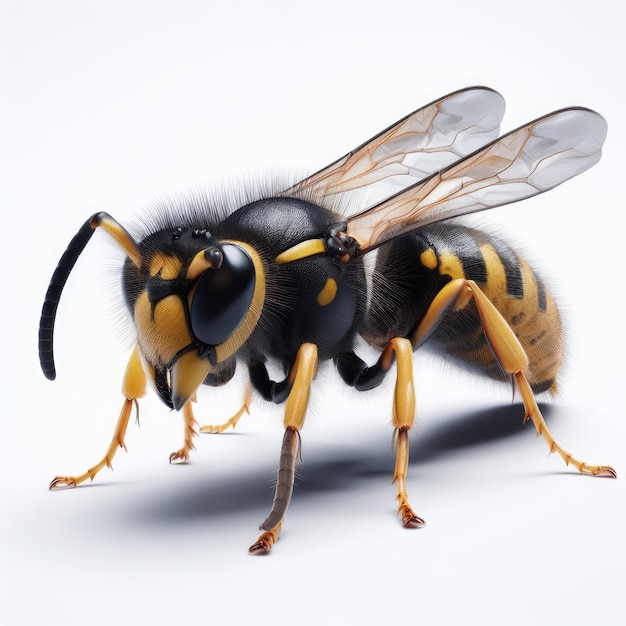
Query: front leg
pixel 133 388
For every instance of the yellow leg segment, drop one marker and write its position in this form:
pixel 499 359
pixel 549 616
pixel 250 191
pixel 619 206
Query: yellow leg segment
pixel 301 377
pixel 232 421
pixel 509 353
pixel 182 454
pixel 533 413
pixel 402 418
pixel 133 387
pixel 404 391
pixel 407 515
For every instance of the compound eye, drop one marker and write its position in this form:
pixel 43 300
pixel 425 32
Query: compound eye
pixel 223 296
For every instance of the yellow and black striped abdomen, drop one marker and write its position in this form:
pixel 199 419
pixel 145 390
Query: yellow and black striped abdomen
pixel 410 273
pixel 516 291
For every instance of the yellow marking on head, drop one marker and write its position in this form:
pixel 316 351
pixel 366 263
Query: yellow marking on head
pixel 428 259
pixel 225 350
pixel 162 333
pixel 169 266
pixel 302 250
pixel 328 293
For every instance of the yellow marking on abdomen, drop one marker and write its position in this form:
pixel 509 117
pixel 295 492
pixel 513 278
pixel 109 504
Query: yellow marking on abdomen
pixel 450 265
pixel 328 293
pixel 495 289
pixel 540 332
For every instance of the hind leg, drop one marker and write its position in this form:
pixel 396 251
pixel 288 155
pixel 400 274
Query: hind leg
pixel 509 353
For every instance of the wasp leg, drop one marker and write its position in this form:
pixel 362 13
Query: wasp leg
pixel 509 353
pixel 233 420
pixel 182 454
pixel 355 372
pixel 533 413
pixel 300 377
pixel 270 390
pixel 403 417
pixel 282 495
pixel 133 388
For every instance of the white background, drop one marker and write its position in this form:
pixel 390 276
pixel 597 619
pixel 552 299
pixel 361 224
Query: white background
pixel 105 105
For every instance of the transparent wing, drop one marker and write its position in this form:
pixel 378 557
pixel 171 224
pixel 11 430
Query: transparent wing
pixel 423 142
pixel 518 165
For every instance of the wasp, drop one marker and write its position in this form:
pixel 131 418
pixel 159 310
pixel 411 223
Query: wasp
pixel 282 280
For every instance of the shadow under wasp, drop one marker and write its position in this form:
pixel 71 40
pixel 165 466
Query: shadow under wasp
pixel 282 280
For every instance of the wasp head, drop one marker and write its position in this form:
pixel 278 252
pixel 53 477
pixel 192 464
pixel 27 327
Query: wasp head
pixel 194 300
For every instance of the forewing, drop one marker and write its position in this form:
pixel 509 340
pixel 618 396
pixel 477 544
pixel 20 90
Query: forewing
pixel 518 165
pixel 421 143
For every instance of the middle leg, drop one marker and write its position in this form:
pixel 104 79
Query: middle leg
pixel 356 373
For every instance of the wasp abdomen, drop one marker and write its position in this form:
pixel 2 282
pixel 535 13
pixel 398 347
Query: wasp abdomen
pixel 412 270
